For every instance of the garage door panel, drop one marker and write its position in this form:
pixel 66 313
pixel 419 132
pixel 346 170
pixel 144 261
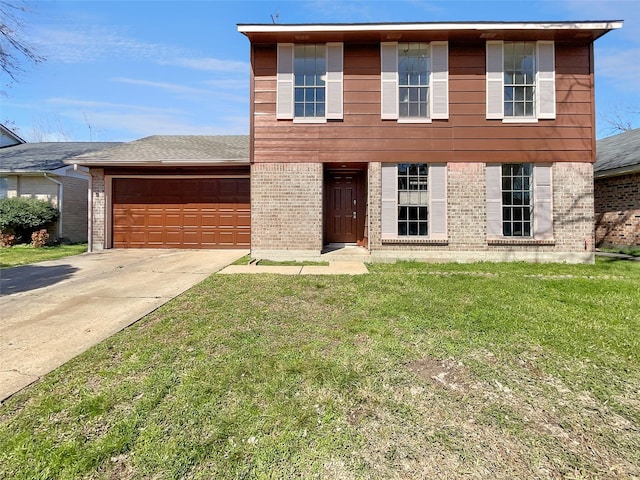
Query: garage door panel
pixel 181 213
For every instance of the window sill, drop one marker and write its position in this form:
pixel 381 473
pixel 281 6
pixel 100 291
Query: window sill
pixel 413 120
pixel 309 120
pixel 414 241
pixel 520 241
pixel 519 120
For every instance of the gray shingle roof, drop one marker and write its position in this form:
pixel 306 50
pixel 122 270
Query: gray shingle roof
pixel 620 151
pixel 173 149
pixel 46 156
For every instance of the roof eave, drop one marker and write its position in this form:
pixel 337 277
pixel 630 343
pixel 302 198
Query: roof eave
pixel 616 172
pixel 159 163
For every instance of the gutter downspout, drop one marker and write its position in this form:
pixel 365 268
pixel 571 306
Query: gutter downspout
pixel 59 203
pixel 89 207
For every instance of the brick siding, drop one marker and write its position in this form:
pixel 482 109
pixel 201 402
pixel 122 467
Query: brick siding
pixel 466 218
pixel 617 208
pixel 286 207
pixel 98 208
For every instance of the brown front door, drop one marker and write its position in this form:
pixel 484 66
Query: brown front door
pixel 342 207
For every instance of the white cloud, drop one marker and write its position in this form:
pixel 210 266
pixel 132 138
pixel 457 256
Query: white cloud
pixel 91 44
pixel 210 64
pixel 169 87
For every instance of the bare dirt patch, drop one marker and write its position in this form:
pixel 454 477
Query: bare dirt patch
pixel 449 373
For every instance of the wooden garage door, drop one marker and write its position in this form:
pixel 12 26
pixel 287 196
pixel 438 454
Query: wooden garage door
pixel 181 213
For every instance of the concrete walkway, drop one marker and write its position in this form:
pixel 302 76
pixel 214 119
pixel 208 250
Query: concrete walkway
pixel 334 268
pixel 52 311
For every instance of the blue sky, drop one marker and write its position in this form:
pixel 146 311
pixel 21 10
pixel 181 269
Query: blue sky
pixel 122 70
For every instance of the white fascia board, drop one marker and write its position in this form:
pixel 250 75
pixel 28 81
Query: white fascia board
pixel 374 27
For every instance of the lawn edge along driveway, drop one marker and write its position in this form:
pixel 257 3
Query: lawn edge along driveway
pixel 55 310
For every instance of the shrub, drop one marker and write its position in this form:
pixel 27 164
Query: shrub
pixel 7 239
pixel 21 216
pixel 39 239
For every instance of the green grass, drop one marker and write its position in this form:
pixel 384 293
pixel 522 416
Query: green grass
pixel 633 251
pixel 26 254
pixel 413 371
pixel 304 263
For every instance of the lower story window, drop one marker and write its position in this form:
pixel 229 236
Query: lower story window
pixel 517 200
pixel 413 199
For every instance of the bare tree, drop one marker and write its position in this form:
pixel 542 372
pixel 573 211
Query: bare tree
pixel 619 119
pixel 15 50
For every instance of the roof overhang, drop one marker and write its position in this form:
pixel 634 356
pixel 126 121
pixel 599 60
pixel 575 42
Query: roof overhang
pixel 97 162
pixel 578 31
pixel 617 172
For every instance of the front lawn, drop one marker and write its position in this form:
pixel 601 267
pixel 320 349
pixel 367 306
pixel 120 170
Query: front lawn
pixel 25 254
pixel 413 371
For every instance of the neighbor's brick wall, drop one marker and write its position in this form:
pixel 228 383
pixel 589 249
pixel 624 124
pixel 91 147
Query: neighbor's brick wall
pixel 98 208
pixel 286 206
pixel 74 207
pixel 467 216
pixel 617 206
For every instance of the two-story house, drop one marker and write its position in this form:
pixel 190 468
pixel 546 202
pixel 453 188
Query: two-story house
pixel 440 141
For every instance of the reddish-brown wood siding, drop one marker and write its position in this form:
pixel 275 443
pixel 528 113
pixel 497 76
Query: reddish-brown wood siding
pixel 466 136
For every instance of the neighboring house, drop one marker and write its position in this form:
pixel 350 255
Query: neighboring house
pixel 435 141
pixel 9 138
pixel 617 190
pixel 170 192
pixel 38 170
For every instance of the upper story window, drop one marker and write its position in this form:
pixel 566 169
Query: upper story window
pixel 309 72
pixel 521 81
pixel 415 81
pixel 309 82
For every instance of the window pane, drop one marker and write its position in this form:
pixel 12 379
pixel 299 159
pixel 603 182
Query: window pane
pixel 309 110
pixel 403 183
pixel 320 110
pixel 403 168
pixel 413 228
pixel 422 213
pixel 423 229
pixel 402 213
pixel 299 110
pixel 402 229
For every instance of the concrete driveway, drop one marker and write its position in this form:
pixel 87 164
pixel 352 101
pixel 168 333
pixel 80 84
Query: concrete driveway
pixel 52 311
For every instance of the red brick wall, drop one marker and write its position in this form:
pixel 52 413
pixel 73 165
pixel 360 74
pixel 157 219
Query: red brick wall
pixel 617 208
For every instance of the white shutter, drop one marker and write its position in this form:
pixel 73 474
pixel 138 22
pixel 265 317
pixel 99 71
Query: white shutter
pixel 494 200
pixel 542 203
pixel 495 79
pixel 334 97
pixel 389 77
pixel 438 202
pixel 440 80
pixel 284 80
pixel 389 200
pixel 546 80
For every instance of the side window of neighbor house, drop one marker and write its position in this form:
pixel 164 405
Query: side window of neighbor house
pixel 413 199
pixel 4 187
pixel 517 200
pixel 309 72
pixel 414 67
